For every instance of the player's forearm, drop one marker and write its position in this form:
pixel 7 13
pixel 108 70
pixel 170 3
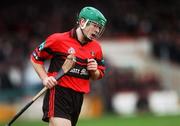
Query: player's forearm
pixel 94 75
pixel 40 70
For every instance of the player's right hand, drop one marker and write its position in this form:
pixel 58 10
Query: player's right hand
pixel 49 82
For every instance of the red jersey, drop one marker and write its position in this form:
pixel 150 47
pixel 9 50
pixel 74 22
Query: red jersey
pixel 56 48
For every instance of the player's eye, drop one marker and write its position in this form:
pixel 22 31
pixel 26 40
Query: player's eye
pixel 96 25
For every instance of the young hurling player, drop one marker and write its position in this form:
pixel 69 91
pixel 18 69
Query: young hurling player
pixel 64 98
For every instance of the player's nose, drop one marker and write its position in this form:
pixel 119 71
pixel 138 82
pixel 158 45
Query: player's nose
pixel 97 30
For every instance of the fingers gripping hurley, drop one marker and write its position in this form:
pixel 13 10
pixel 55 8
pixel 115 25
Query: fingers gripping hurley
pixel 68 64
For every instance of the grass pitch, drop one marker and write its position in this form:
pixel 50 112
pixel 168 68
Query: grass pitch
pixel 114 120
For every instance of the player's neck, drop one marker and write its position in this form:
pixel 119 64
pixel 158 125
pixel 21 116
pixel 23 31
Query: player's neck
pixel 80 36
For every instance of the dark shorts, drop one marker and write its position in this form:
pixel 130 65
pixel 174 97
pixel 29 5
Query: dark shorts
pixel 62 102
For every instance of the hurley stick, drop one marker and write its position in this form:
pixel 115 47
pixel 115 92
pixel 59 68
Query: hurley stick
pixel 68 64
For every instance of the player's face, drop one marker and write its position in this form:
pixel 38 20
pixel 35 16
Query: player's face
pixel 92 30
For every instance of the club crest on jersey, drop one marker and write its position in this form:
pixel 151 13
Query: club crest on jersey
pixel 71 50
pixel 92 53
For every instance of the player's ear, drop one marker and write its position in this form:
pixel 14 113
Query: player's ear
pixel 83 22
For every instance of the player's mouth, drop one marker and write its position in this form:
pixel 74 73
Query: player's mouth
pixel 93 35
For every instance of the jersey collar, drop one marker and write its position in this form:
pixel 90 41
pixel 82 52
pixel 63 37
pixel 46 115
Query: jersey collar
pixel 73 34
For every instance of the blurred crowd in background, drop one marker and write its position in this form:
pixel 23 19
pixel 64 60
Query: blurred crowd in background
pixel 25 24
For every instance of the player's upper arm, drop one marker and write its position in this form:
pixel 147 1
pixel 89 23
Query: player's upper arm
pixel 44 51
pixel 100 61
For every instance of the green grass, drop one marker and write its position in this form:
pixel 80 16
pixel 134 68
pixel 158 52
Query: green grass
pixel 143 120
pixel 113 120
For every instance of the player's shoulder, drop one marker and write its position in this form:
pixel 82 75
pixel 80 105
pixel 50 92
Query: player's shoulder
pixel 59 36
pixel 96 43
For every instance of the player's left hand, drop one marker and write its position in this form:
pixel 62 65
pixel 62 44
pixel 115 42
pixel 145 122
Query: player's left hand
pixel 92 65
